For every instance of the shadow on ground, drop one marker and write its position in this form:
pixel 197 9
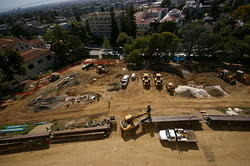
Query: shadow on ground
pixel 180 146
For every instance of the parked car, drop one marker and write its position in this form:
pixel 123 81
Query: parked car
pixel 124 81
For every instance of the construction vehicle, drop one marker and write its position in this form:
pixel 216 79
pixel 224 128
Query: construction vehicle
pixel 130 121
pixel 53 77
pixel 158 80
pixel 87 66
pixel 101 69
pixel 170 88
pixel 242 77
pixel 227 76
pixel 146 79
pixel 177 135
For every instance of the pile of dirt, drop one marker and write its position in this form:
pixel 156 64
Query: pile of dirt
pixel 215 91
pixel 208 79
pixel 174 79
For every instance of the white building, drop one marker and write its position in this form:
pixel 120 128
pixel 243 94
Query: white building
pixel 100 23
pixel 148 16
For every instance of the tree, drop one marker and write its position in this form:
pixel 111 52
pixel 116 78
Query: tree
pixel 122 39
pixel 131 30
pixel 242 12
pixel 69 45
pixel 105 43
pixel 20 32
pixel 234 48
pixel 79 30
pixel 190 34
pixel 114 27
pixel 169 42
pixel 124 23
pixel 165 3
pixel 134 57
pixel 60 49
pixel 168 26
pixel 11 63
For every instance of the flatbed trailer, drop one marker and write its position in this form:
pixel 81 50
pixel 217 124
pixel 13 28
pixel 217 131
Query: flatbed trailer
pixel 172 119
pixel 227 119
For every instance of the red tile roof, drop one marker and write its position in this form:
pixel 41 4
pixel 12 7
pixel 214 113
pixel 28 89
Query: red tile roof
pixel 34 42
pixel 33 53
pixel 8 43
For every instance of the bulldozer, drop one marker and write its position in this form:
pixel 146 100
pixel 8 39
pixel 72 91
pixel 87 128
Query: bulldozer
pixel 53 77
pixel 146 79
pixel 158 80
pixel 130 121
pixel 242 77
pixel 227 76
pixel 101 69
pixel 170 88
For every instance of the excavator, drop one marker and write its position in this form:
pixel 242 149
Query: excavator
pixel 130 121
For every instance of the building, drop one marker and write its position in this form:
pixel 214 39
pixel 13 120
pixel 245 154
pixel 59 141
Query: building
pixel 100 23
pixel 37 43
pixel 174 15
pixel 36 57
pixel 16 44
pixel 147 17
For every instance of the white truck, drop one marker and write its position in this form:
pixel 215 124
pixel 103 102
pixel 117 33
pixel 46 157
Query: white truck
pixel 124 81
pixel 177 135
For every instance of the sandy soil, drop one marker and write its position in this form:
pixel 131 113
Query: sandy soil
pixel 214 147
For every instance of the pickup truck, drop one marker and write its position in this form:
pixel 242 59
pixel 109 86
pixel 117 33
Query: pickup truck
pixel 177 135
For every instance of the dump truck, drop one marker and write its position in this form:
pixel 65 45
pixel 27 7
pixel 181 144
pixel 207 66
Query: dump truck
pixel 227 76
pixel 177 135
pixel 53 77
pixel 101 69
pixel 242 77
pixel 146 79
pixel 158 80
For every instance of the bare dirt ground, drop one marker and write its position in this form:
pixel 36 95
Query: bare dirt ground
pixel 214 147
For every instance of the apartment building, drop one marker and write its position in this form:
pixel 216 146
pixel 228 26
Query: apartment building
pixel 100 23
pixel 36 60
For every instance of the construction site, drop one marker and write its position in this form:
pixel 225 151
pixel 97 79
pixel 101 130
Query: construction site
pixel 103 113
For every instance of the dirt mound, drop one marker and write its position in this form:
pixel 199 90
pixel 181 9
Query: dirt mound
pixel 174 79
pixel 215 91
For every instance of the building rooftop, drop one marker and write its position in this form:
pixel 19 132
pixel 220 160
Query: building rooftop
pixel 35 42
pixel 33 53
pixel 8 43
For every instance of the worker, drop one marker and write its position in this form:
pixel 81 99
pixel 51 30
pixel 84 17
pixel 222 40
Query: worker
pixel 149 112
pixel 149 109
